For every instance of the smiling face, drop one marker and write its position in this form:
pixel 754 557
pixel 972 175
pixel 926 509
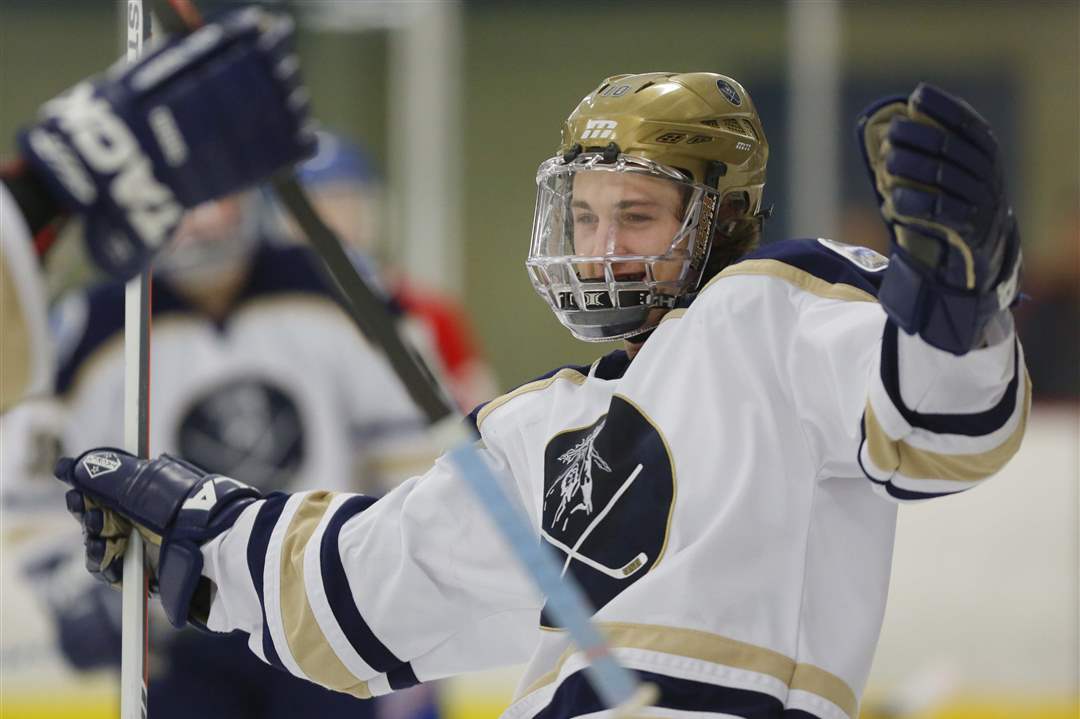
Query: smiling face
pixel 622 213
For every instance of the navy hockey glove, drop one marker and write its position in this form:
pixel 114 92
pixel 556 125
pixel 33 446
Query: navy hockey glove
pixel 203 116
pixel 955 256
pixel 174 505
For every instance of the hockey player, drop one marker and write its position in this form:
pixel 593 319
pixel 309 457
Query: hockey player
pixel 719 489
pixel 257 374
pixel 346 190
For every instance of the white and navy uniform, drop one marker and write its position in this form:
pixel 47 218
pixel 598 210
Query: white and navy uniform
pixel 284 393
pixel 724 500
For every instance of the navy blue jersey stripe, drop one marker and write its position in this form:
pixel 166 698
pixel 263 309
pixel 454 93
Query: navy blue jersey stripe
pixel 105 319
pixel 339 595
pixel 403 677
pixel 575 696
pixel 258 541
pixel 900 493
pixel 273 270
pixel 975 424
pixel 612 365
pixel 811 256
pixel 276 269
pixel 890 488
pixel 470 418
pixel 858 454
pixel 798 714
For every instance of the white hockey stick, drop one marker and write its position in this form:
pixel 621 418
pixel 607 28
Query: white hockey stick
pixel 134 675
pixel 596 521
pixel 627 570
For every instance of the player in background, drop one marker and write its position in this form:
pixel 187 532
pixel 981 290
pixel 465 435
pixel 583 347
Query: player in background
pixel 255 372
pixel 228 410
pixel 346 190
pixel 126 152
pixel 724 488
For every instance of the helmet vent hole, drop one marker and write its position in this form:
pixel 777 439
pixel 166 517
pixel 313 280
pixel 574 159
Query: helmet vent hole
pixel 734 126
pixel 650 83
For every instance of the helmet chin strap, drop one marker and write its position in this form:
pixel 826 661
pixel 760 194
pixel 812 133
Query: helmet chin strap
pixel 634 342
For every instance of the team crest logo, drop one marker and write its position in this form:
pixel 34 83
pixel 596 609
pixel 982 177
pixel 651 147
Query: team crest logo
pixel 862 257
pixel 248 429
pixel 100 463
pixel 728 91
pixel 608 490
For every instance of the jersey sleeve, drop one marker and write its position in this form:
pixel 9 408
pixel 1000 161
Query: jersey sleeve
pixel 25 358
pixel 878 403
pixel 935 424
pixel 366 596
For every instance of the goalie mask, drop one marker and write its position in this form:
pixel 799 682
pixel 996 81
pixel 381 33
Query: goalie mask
pixel 656 187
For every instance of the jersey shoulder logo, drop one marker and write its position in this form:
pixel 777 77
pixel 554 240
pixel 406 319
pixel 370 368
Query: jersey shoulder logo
pixel 862 257
pixel 608 494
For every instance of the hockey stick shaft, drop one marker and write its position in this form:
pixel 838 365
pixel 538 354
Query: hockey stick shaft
pixel 134 669
pixel 617 686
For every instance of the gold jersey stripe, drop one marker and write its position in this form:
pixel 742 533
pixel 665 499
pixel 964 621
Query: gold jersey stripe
pixel 673 315
pixel 898 456
pixel 15 362
pixel 106 352
pixel 565 373
pixel 799 278
pixel 815 680
pixel 717 649
pixel 308 645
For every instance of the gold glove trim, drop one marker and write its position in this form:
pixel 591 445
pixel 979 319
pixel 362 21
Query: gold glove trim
pixel 877 147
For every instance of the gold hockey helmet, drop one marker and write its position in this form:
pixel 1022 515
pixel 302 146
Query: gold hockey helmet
pixel 657 185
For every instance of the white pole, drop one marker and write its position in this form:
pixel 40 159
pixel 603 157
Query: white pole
pixel 425 127
pixel 133 668
pixel 814 127
pixel 425 139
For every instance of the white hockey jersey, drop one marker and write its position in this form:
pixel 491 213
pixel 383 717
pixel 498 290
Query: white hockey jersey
pixel 283 393
pixel 722 499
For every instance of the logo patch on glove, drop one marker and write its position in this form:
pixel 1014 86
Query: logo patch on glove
pixel 100 463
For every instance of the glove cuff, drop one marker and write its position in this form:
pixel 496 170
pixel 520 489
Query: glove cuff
pixel 949 319
pixel 209 509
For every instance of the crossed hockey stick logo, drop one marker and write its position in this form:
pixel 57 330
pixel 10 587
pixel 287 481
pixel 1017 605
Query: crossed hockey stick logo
pixel 575 484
